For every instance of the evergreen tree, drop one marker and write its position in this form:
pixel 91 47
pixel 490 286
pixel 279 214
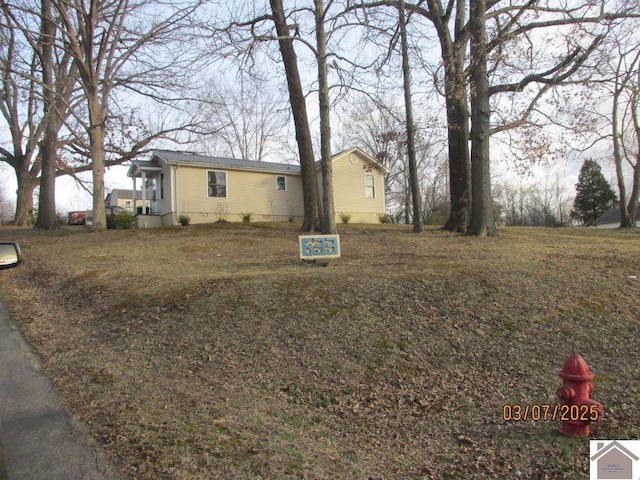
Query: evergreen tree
pixel 594 195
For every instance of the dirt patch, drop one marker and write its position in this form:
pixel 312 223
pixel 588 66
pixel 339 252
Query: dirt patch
pixel 213 352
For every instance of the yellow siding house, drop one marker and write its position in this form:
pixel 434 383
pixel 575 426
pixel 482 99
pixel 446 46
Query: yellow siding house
pixel 209 189
pixel 120 197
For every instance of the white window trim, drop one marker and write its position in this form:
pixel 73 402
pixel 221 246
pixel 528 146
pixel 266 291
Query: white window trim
pixel 226 179
pixel 365 185
pixel 285 183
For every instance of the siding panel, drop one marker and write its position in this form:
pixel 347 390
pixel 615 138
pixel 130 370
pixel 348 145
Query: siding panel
pixel 349 189
pixel 247 192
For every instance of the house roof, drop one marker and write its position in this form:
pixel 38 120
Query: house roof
pixel 139 166
pixel 125 194
pixel 612 216
pixel 196 160
pixel 186 158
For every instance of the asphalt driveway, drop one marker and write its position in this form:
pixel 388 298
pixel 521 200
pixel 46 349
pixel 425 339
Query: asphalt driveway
pixel 41 439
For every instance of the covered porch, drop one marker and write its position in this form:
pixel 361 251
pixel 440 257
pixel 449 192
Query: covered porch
pixel 146 210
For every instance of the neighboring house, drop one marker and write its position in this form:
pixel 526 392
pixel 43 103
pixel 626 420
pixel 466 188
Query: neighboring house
pixel 121 197
pixel 208 189
pixel 611 218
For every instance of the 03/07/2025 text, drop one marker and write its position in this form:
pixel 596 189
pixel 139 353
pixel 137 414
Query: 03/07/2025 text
pixel 516 412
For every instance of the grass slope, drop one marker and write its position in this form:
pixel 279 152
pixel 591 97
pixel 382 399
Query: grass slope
pixel 213 352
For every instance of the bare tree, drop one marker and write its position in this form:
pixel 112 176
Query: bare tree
pixel 512 201
pixel 239 40
pixel 538 203
pixel 617 89
pixel 47 205
pixel 33 106
pixel 411 135
pixel 433 172
pixel 299 112
pixel 482 219
pixel 376 128
pixel 328 210
pixel 500 70
pixel 625 122
pixel 379 130
pixel 450 25
pixel 335 70
pixel 584 28
pixel 24 135
pixel 116 57
pixel 113 48
pixel 244 118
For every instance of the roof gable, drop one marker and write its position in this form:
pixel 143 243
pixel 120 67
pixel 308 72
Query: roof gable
pixel 364 156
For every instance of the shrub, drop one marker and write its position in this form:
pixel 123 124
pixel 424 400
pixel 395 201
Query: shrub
pixel 246 217
pixel 111 222
pixel 384 218
pixel 345 217
pixel 124 220
pixel 184 220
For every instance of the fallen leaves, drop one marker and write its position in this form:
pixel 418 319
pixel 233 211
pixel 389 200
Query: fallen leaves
pixel 392 363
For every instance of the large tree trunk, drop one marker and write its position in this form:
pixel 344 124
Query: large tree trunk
pixel 632 206
pixel 24 201
pixel 635 191
pixel 482 218
pixel 328 210
pixel 47 219
pixel 630 209
pixel 300 119
pixel 455 84
pixel 459 166
pixel 411 144
pixel 625 221
pixel 96 145
pixel 48 146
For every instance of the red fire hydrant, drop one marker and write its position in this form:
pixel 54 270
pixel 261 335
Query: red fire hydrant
pixel 577 409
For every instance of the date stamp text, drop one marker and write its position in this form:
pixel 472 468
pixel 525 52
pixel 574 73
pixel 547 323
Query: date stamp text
pixel 517 412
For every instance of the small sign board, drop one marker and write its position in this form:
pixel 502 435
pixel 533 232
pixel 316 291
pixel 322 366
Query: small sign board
pixel 313 247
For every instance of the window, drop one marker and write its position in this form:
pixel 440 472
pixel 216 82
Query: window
pixel 281 183
pixel 369 186
pixel 162 186
pixel 217 184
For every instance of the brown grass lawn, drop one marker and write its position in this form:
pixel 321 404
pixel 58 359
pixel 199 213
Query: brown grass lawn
pixel 213 352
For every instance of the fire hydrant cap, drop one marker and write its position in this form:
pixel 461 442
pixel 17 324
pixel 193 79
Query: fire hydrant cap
pixel 575 369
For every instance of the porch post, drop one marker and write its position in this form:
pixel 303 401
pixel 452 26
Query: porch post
pixel 144 193
pixel 134 196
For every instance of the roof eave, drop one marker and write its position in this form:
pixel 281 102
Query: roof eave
pixel 239 168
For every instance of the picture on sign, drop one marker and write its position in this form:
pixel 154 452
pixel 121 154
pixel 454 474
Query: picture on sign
pixel 319 246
